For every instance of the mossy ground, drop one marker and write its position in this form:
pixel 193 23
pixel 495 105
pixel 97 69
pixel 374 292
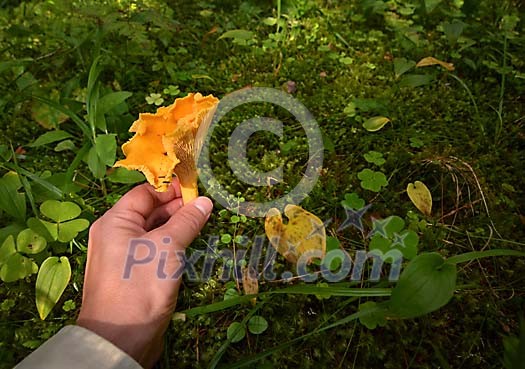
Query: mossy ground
pixel 334 52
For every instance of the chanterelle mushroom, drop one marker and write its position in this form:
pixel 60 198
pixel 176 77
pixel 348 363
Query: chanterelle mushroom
pixel 164 143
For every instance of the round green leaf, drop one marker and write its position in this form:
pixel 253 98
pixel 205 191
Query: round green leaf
pixel 236 332
pixel 60 211
pixel 51 282
pixel 226 238
pixel 257 324
pixel 29 242
pixel 426 284
pixel 375 123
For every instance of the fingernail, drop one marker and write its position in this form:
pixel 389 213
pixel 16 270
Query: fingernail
pixel 204 205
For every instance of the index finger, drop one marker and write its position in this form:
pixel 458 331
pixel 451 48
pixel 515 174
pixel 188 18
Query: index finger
pixel 143 199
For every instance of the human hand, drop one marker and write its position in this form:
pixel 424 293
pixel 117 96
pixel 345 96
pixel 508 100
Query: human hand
pixel 133 311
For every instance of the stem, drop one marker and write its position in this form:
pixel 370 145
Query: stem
pixel 188 187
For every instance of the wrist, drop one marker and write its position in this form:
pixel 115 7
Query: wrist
pixel 133 340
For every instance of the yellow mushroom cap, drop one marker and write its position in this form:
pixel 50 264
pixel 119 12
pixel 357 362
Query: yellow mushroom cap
pixel 152 149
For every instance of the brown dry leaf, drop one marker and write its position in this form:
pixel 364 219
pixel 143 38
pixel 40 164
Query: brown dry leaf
pixel 164 143
pixel 430 60
pixel 250 284
pixel 304 234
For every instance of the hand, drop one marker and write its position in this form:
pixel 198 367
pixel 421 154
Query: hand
pixel 133 311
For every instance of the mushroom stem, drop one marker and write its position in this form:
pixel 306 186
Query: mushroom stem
pixel 189 190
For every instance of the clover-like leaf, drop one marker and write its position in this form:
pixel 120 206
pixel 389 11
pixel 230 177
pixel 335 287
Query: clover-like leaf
pixel 44 228
pixel 304 234
pixel 30 242
pixel 388 235
pixel 17 267
pixel 371 180
pixel 377 316
pixel 353 201
pixel 154 98
pixel 51 282
pixel 374 157
pixel 60 211
pixel 67 231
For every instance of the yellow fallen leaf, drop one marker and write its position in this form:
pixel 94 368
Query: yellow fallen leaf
pixel 420 196
pixel 430 60
pixel 303 234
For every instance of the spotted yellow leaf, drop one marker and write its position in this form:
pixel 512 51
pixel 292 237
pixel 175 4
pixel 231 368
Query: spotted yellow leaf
pixel 304 234
pixel 420 196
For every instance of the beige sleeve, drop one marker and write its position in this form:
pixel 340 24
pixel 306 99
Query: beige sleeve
pixel 79 348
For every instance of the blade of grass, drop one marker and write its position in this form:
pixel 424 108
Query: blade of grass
pixel 302 290
pixel 469 256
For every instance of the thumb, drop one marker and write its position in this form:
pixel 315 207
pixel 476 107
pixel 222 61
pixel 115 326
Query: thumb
pixel 186 223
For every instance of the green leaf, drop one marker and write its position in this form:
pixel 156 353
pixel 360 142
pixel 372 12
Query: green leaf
pixel 374 157
pixel 402 65
pixel 95 164
pixel 420 196
pixel 257 324
pixel 426 284
pixel 51 282
pixel 431 5
pixel 453 30
pixel 238 34
pixel 60 211
pixel 415 80
pixel 5 153
pixel 112 100
pixel 375 123
pixel 469 256
pixel 7 249
pixel 353 201
pixel 106 147
pixel 17 267
pixel 377 316
pixel 123 175
pixel 69 230
pixel 49 137
pixel 65 145
pixel 371 180
pixel 236 332
pixel 47 230
pixel 11 201
pixel 30 242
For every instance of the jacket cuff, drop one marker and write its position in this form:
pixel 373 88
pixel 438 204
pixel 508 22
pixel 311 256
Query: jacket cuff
pixel 79 348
